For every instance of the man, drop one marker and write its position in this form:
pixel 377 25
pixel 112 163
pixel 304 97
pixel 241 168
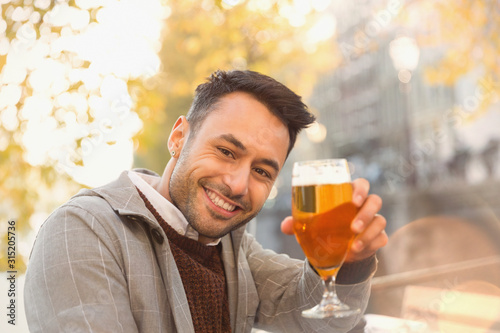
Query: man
pixel 170 254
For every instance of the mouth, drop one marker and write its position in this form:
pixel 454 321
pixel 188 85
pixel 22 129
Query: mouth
pixel 220 202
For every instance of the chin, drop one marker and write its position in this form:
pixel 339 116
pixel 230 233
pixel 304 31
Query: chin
pixel 214 235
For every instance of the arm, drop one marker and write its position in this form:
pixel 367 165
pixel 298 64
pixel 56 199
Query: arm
pixel 74 281
pixel 287 286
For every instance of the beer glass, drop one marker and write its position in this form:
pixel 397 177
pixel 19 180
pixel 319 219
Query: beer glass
pixel 322 210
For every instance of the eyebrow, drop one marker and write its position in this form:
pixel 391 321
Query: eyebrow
pixel 237 143
pixel 230 138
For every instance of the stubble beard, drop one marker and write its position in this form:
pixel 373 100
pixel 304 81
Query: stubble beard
pixel 183 193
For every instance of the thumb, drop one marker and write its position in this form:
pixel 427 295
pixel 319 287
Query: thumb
pixel 287 226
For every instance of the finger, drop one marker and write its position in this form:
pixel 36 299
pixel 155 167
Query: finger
pixel 373 237
pixel 287 226
pixel 366 213
pixel 379 242
pixel 360 189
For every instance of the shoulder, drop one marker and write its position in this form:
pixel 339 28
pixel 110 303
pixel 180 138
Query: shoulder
pixel 85 215
pixel 80 207
pixel 85 224
pixel 78 219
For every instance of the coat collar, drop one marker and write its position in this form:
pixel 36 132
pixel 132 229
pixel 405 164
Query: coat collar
pixel 121 194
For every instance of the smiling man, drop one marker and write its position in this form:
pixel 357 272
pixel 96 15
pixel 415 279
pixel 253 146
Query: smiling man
pixel 171 254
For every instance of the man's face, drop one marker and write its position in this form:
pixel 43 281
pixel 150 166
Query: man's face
pixel 225 172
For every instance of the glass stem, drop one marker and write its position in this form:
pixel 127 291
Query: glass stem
pixel 330 296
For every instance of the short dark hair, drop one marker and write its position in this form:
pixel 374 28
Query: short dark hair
pixel 280 100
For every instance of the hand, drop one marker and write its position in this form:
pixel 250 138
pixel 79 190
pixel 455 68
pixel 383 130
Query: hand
pixel 368 225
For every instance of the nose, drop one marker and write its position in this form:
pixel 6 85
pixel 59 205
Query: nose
pixel 237 179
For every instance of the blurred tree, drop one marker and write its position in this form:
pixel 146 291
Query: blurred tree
pixel 66 68
pixel 277 37
pixel 467 33
pixel 23 187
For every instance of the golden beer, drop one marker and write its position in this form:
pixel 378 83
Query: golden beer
pixel 322 223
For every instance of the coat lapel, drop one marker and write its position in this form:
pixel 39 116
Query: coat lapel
pixel 128 203
pixel 175 289
pixel 242 294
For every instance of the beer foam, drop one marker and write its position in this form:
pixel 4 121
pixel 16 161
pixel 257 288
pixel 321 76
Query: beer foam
pixel 310 174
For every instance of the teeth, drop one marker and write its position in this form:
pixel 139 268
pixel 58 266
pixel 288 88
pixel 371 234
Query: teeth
pixel 218 201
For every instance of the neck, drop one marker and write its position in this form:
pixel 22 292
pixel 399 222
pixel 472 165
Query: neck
pixel 163 184
pixel 205 240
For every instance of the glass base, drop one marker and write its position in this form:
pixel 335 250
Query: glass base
pixel 330 310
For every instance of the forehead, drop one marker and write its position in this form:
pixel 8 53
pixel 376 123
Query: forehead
pixel 243 116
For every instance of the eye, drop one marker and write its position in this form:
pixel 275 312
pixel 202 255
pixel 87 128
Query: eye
pixel 263 172
pixel 226 152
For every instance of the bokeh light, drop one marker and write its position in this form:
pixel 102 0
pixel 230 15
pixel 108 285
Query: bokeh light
pixel 316 132
pixel 65 81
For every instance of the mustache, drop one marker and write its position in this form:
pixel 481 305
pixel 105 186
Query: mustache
pixel 225 190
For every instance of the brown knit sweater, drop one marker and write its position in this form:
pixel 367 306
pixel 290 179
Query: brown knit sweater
pixel 202 273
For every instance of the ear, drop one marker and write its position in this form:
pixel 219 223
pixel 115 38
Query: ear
pixel 178 136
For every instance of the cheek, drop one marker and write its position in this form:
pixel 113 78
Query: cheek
pixel 259 195
pixel 203 164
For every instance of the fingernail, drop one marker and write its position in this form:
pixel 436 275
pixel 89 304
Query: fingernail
pixel 357 246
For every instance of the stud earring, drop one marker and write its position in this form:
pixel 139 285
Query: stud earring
pixel 173 153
